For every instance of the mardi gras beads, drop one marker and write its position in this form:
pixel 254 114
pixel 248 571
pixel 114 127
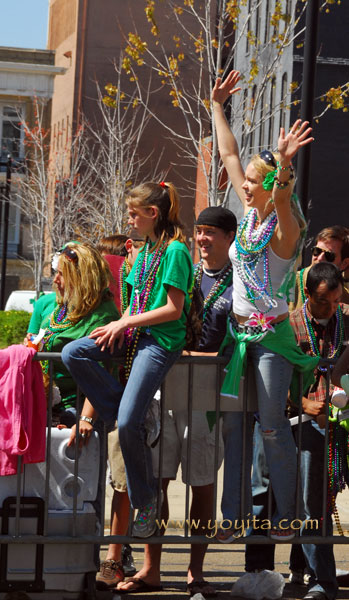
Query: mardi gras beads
pixel 123 273
pixel 336 343
pixel 220 285
pixel 252 246
pixel 143 286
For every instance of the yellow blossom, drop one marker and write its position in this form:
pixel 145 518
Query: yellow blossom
pixel 111 89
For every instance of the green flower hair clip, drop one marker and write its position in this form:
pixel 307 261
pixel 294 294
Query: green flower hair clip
pixel 268 182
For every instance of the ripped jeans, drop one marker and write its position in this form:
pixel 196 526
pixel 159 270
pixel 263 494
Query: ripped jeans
pixel 273 376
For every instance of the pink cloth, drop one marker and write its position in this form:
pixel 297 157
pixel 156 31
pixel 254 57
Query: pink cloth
pixel 22 409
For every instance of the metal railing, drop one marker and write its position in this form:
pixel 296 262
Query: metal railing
pixel 194 383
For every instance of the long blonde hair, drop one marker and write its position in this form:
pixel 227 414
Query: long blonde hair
pixel 165 197
pixel 85 278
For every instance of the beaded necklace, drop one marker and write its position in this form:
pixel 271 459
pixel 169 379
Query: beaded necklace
pixel 124 271
pixel 336 345
pixel 301 285
pixel 220 285
pixel 337 464
pixel 252 245
pixel 58 322
pixel 145 275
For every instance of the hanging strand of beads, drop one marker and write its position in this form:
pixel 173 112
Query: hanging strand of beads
pixel 336 343
pixel 145 274
pixel 252 245
pixel 220 285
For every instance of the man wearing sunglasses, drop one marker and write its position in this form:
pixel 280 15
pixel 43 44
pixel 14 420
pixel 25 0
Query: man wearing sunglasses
pixel 331 245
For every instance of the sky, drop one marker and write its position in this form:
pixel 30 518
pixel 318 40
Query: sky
pixel 23 23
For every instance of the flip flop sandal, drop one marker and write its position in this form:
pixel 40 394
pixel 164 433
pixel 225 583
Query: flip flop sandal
pixel 198 587
pixel 142 587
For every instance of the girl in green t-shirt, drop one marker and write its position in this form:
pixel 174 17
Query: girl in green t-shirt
pixel 151 333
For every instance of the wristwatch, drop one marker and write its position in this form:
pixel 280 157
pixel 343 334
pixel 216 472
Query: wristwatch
pixel 88 419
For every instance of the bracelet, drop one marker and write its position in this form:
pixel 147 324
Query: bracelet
pixel 280 168
pixel 87 419
pixel 281 185
pixel 288 168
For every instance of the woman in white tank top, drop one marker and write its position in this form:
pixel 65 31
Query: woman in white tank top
pixel 263 256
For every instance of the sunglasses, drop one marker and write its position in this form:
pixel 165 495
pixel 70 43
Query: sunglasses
pixel 69 253
pixel 316 251
pixel 268 158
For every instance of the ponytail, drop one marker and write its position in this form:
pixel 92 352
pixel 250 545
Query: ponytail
pixel 164 196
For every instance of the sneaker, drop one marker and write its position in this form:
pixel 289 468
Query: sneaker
pixel 296 577
pixel 109 575
pixel 128 564
pixel 282 535
pixel 227 536
pixel 145 523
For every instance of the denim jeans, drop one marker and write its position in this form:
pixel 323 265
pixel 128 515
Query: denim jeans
pixel 320 557
pixel 273 375
pixel 129 406
pixel 255 558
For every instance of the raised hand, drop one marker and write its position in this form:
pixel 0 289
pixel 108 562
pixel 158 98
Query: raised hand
pixel 298 136
pixel 224 89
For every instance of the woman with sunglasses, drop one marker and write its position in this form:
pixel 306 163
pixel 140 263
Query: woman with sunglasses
pixel 263 255
pixel 83 303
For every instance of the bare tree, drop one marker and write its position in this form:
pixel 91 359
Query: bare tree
pixel 52 194
pixel 74 189
pixel 209 38
pixel 115 160
pixel 31 193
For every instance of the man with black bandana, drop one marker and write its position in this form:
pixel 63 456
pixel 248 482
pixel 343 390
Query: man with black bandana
pixel 215 231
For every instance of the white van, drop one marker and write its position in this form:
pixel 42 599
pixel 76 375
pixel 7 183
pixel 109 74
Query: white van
pixel 20 300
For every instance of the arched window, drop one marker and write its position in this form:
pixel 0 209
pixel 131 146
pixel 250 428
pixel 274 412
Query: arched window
pixel 262 117
pixel 272 109
pixel 283 100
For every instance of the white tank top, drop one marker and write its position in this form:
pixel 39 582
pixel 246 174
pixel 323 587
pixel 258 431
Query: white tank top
pixel 278 268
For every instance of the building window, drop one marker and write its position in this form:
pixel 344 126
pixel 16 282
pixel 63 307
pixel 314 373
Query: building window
pixel 11 132
pixel 14 223
pixel 267 22
pixel 272 109
pixel 258 21
pixel 249 8
pixel 11 142
pixel 262 117
pixel 253 121
pixel 244 119
pixel 287 13
pixel 283 100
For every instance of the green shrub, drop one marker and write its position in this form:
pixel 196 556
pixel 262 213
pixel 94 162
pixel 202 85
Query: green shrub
pixel 13 326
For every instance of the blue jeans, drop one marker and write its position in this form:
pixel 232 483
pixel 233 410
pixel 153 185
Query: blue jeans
pixel 255 558
pixel 129 406
pixel 320 558
pixel 273 375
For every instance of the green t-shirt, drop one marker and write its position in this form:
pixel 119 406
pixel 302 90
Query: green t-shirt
pixel 102 315
pixel 176 269
pixel 43 307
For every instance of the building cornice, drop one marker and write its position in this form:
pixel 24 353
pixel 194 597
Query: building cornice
pixel 16 67
pixel 28 79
